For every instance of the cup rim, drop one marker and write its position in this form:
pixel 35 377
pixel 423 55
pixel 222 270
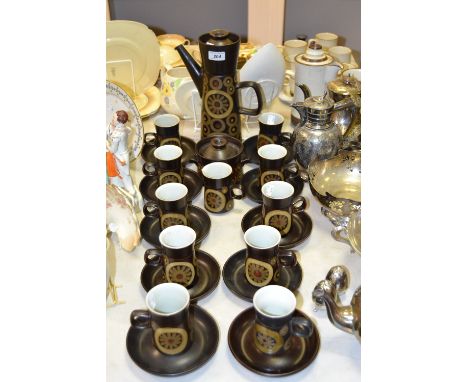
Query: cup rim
pixel 296 43
pixel 340 49
pixel 277 291
pixel 328 36
pixel 168 152
pixel 165 286
pixel 262 227
pixel 177 230
pixel 278 183
pixel 166 120
pixel 210 166
pixel 183 191
pixel 262 116
pixel 281 152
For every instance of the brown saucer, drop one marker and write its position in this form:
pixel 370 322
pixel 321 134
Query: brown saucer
pixel 300 229
pixel 198 220
pixel 192 180
pixel 235 280
pixel 250 150
pixel 253 190
pixel 241 342
pixel 205 338
pixel 208 276
pixel 188 149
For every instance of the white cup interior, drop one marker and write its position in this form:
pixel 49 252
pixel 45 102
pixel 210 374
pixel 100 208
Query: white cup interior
pixel 170 192
pixel 217 170
pixel 179 72
pixel 272 151
pixel 277 189
pixel 262 237
pixel 166 120
pixel 177 236
pixel 274 301
pixel 271 118
pixel 167 299
pixel 168 152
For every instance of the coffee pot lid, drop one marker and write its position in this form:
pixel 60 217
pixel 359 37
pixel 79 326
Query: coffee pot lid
pixel 346 85
pixel 219 37
pixel 314 56
pixel 323 102
pixel 219 147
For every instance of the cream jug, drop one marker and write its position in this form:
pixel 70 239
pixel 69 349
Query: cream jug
pixel 315 69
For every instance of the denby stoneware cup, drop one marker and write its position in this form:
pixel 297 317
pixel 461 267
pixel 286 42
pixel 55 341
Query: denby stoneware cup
pixel 275 324
pixel 169 161
pixel 341 54
pixel 167 129
pixel 171 205
pixel 168 316
pixel 326 39
pixel 291 48
pixel 278 205
pixel 264 258
pixel 178 255
pixel 271 164
pixel 270 125
pixel 220 189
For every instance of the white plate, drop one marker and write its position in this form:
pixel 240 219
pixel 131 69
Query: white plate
pixel 150 102
pixel 117 99
pixel 183 97
pixel 132 55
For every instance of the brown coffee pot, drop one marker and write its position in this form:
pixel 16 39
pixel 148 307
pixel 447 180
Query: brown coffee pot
pixel 217 84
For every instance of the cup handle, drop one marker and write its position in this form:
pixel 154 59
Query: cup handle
pixel 291 171
pixel 140 319
pixel 287 258
pixel 149 169
pixel 150 139
pixel 151 209
pixel 285 139
pixel 299 204
pixel 186 41
pixel 236 192
pixel 153 258
pixel 301 327
pixel 258 92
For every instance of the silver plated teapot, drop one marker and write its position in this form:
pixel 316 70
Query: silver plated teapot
pixel 344 317
pixel 317 137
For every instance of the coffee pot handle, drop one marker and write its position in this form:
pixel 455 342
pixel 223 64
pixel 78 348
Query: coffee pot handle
pixel 258 92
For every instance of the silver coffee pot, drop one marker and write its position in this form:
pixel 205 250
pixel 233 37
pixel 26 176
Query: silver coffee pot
pixel 317 137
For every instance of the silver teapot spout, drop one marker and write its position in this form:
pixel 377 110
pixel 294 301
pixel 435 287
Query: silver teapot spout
pixel 346 318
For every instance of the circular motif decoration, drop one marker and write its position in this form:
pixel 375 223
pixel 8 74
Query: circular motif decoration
pixel 173 219
pixel 170 177
pixel 216 83
pixel 205 131
pixel 232 120
pixel 231 89
pixel 228 81
pixel 229 205
pixel 258 272
pixel 279 219
pixel 218 104
pixel 276 276
pixel 233 131
pixel 268 341
pixel 284 330
pixel 217 125
pixel 170 340
pixel 180 272
pixel 269 176
pixel 264 140
pixel 170 141
pixel 214 200
pixel 287 344
pixel 205 118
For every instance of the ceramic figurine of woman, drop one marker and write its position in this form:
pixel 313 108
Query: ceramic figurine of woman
pixel 117 155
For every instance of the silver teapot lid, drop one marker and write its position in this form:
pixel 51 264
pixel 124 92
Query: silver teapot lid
pixel 319 103
pixel 346 86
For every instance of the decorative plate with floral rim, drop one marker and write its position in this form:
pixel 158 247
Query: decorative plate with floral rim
pixel 117 99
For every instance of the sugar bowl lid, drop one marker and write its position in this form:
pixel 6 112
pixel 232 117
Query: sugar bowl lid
pixel 346 86
pixel 219 147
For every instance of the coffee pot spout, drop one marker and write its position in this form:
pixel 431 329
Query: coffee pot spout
pixel 193 68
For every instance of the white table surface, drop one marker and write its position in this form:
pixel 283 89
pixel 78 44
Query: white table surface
pixel 339 357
